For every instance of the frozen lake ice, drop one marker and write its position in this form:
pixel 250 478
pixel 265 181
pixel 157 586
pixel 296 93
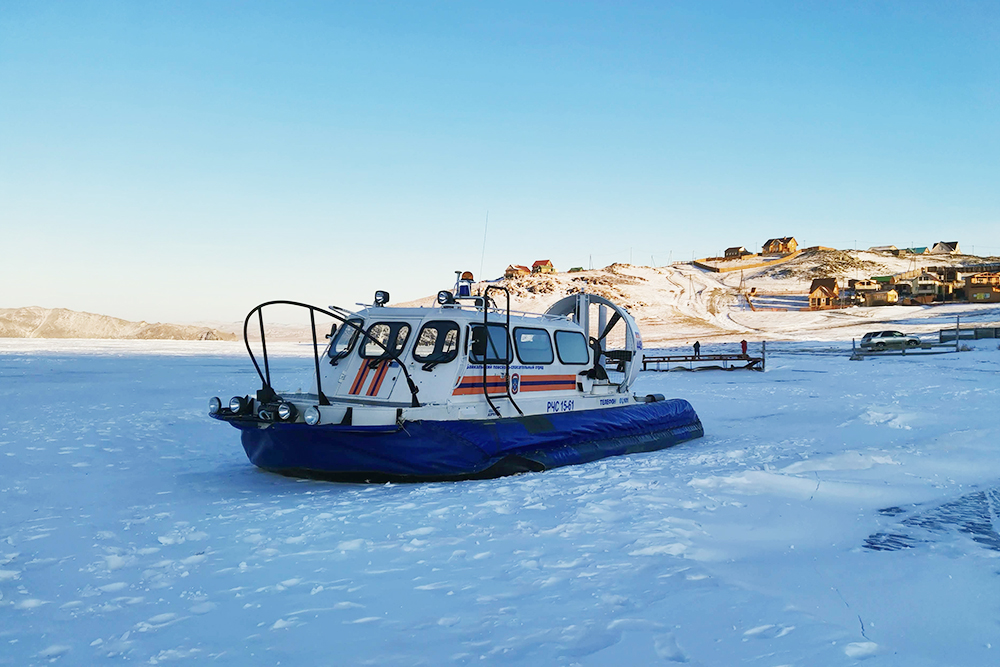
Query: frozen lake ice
pixel 836 512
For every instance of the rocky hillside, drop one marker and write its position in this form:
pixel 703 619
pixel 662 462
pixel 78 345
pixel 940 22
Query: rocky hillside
pixel 680 303
pixel 37 322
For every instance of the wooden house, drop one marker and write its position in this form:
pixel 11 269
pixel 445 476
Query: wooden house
pixel 983 288
pixel 925 284
pixel 736 252
pixel 945 248
pixel 780 246
pixel 515 270
pixel 862 285
pixel 881 298
pixel 823 293
pixel 884 248
pixel 543 266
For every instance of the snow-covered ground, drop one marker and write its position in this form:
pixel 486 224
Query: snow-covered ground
pixel 836 512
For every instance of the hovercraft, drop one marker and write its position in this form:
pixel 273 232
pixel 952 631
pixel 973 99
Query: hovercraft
pixel 465 389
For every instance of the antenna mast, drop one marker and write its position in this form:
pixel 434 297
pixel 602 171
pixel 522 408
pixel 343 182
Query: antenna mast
pixel 482 257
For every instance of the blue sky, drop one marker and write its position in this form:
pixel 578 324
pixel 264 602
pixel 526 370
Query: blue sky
pixel 185 161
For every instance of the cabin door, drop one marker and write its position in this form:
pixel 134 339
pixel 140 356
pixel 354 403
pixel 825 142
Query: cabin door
pixel 372 371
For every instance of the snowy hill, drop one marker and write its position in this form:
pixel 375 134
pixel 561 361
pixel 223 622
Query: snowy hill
pixel 673 305
pixel 61 323
pixel 681 303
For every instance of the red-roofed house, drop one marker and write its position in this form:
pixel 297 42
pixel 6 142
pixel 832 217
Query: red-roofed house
pixel 543 266
pixel 515 270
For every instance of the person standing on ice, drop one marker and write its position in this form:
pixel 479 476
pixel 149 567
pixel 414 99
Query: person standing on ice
pixel 743 346
pixel 697 349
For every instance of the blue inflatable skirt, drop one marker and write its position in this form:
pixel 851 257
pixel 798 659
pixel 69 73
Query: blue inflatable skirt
pixel 419 451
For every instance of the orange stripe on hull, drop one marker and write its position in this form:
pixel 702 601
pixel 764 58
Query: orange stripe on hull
pixel 473 384
pixel 380 374
pixel 359 380
pixel 547 382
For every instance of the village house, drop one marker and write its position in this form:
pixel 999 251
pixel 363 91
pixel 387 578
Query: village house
pixel 823 293
pixel 884 248
pixel 983 288
pixel 926 284
pixel 862 285
pixel 515 270
pixel 780 246
pixel 881 298
pixel 945 248
pixel 736 252
pixel 543 266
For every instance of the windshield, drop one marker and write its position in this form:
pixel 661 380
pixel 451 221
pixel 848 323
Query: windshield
pixel 385 340
pixel 343 341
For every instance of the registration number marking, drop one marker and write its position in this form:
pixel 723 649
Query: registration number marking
pixel 559 406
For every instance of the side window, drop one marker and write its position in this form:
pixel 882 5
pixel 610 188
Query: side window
pixel 572 347
pixel 392 335
pixel 489 343
pixel 343 341
pixel 533 345
pixel 437 342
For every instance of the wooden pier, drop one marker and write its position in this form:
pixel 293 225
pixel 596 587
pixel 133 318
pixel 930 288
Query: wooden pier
pixel 705 362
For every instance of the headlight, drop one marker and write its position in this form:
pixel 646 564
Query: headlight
pixel 286 412
pixel 311 415
pixel 214 405
pixel 238 404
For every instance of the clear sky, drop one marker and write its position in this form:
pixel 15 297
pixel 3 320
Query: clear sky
pixel 184 161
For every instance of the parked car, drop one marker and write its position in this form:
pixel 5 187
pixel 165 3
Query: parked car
pixel 881 340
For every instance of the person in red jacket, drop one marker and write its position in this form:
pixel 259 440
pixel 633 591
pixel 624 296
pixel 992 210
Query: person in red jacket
pixel 743 346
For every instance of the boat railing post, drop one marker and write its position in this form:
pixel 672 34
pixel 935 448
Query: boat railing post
pixel 320 396
pixel 263 346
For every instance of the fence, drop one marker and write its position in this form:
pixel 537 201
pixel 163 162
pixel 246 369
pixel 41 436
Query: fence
pixel 975 333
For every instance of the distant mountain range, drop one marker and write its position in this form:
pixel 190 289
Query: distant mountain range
pixel 34 322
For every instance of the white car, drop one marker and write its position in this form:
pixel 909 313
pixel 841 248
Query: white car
pixel 881 340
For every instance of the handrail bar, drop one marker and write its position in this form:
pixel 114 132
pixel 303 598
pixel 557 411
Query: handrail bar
pixel 508 343
pixel 265 377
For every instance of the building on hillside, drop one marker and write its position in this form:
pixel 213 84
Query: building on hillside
pixel 924 285
pixel 945 248
pixel 983 288
pixel 922 250
pixel 515 270
pixel 576 269
pixel 881 298
pixel 950 274
pixel 543 266
pixel 780 246
pixel 736 252
pixel 823 293
pixel 862 285
pixel 884 248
